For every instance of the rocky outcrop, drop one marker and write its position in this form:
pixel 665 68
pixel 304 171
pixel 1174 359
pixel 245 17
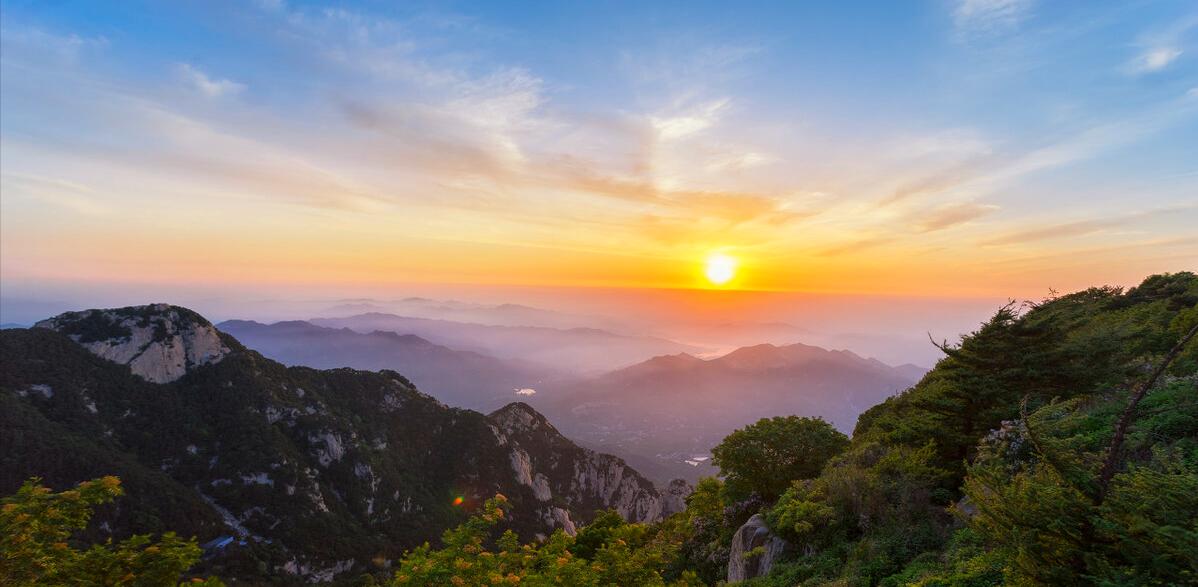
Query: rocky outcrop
pixel 674 497
pixel 558 471
pixel 158 342
pixel 754 550
pixel 280 457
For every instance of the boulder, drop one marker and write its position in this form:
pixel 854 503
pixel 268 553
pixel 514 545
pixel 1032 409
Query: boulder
pixel 743 562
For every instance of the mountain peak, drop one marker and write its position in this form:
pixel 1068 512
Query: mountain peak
pixel 519 417
pixel 159 342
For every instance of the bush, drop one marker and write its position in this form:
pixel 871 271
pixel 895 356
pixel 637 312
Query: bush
pixel 764 458
pixel 35 532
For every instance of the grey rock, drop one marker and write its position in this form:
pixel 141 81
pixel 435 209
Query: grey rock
pixel 754 534
pixel 158 342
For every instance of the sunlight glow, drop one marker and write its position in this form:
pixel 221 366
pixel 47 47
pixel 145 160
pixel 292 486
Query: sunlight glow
pixel 720 269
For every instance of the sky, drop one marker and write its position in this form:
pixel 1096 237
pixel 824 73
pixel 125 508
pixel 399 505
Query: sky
pixel 953 148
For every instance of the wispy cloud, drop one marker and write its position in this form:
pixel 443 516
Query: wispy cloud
pixel 1081 227
pixel 35 44
pixel 989 16
pixel 1054 231
pixel 949 215
pixel 71 195
pixel 206 85
pixel 1155 59
pixel 686 124
pixel 1161 48
pixel 857 246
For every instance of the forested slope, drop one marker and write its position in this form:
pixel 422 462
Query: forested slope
pixel 1056 445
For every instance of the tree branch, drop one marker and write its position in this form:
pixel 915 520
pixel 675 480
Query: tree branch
pixel 1112 456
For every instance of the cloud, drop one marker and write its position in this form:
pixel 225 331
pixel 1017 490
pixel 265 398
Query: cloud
pixel 931 184
pixel 950 215
pixel 1155 59
pixel 1159 49
pixel 1054 231
pixel 740 160
pixel 71 195
pixel 212 88
pixel 989 16
pixel 1084 144
pixel 683 125
pixel 1082 227
pixel 857 246
pixel 35 45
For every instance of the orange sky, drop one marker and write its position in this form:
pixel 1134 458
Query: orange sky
pixel 344 152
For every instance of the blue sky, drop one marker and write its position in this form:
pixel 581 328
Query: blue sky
pixel 1009 145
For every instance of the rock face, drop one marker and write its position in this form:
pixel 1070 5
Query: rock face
pixel 158 342
pixel 211 439
pixel 754 534
pixel 566 477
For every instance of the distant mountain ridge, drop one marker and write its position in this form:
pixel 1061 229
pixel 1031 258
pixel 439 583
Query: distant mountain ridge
pixel 578 349
pixel 504 314
pixel 672 408
pixel 316 473
pixel 459 378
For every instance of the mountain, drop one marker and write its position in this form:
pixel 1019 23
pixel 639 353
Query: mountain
pixel 506 314
pixel 670 410
pixel 737 334
pixel 579 350
pixel 318 474
pixel 459 378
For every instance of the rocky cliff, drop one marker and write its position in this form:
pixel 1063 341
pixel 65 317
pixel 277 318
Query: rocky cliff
pixel 319 474
pixel 557 471
pixel 158 342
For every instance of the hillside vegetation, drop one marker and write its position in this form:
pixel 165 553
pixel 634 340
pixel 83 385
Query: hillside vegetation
pixel 1056 445
pixel 310 475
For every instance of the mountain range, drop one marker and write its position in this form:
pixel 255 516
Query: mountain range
pixel 663 414
pixel 505 314
pixel 460 378
pixel 672 409
pixel 573 350
pixel 312 473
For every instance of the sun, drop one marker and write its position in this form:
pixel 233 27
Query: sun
pixel 720 268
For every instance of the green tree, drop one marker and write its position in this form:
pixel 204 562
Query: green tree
pixel 620 554
pixel 706 530
pixel 36 526
pixel 593 536
pixel 764 458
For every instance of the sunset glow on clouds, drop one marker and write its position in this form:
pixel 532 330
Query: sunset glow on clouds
pixel 973 147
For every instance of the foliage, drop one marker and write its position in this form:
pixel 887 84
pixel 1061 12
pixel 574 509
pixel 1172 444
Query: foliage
pixel 36 526
pixel 707 526
pixel 1037 500
pixel 764 458
pixel 871 510
pixel 876 515
pixel 616 553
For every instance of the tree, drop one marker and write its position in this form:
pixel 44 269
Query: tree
pixel 764 458
pixel 707 528
pixel 620 554
pixel 35 534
